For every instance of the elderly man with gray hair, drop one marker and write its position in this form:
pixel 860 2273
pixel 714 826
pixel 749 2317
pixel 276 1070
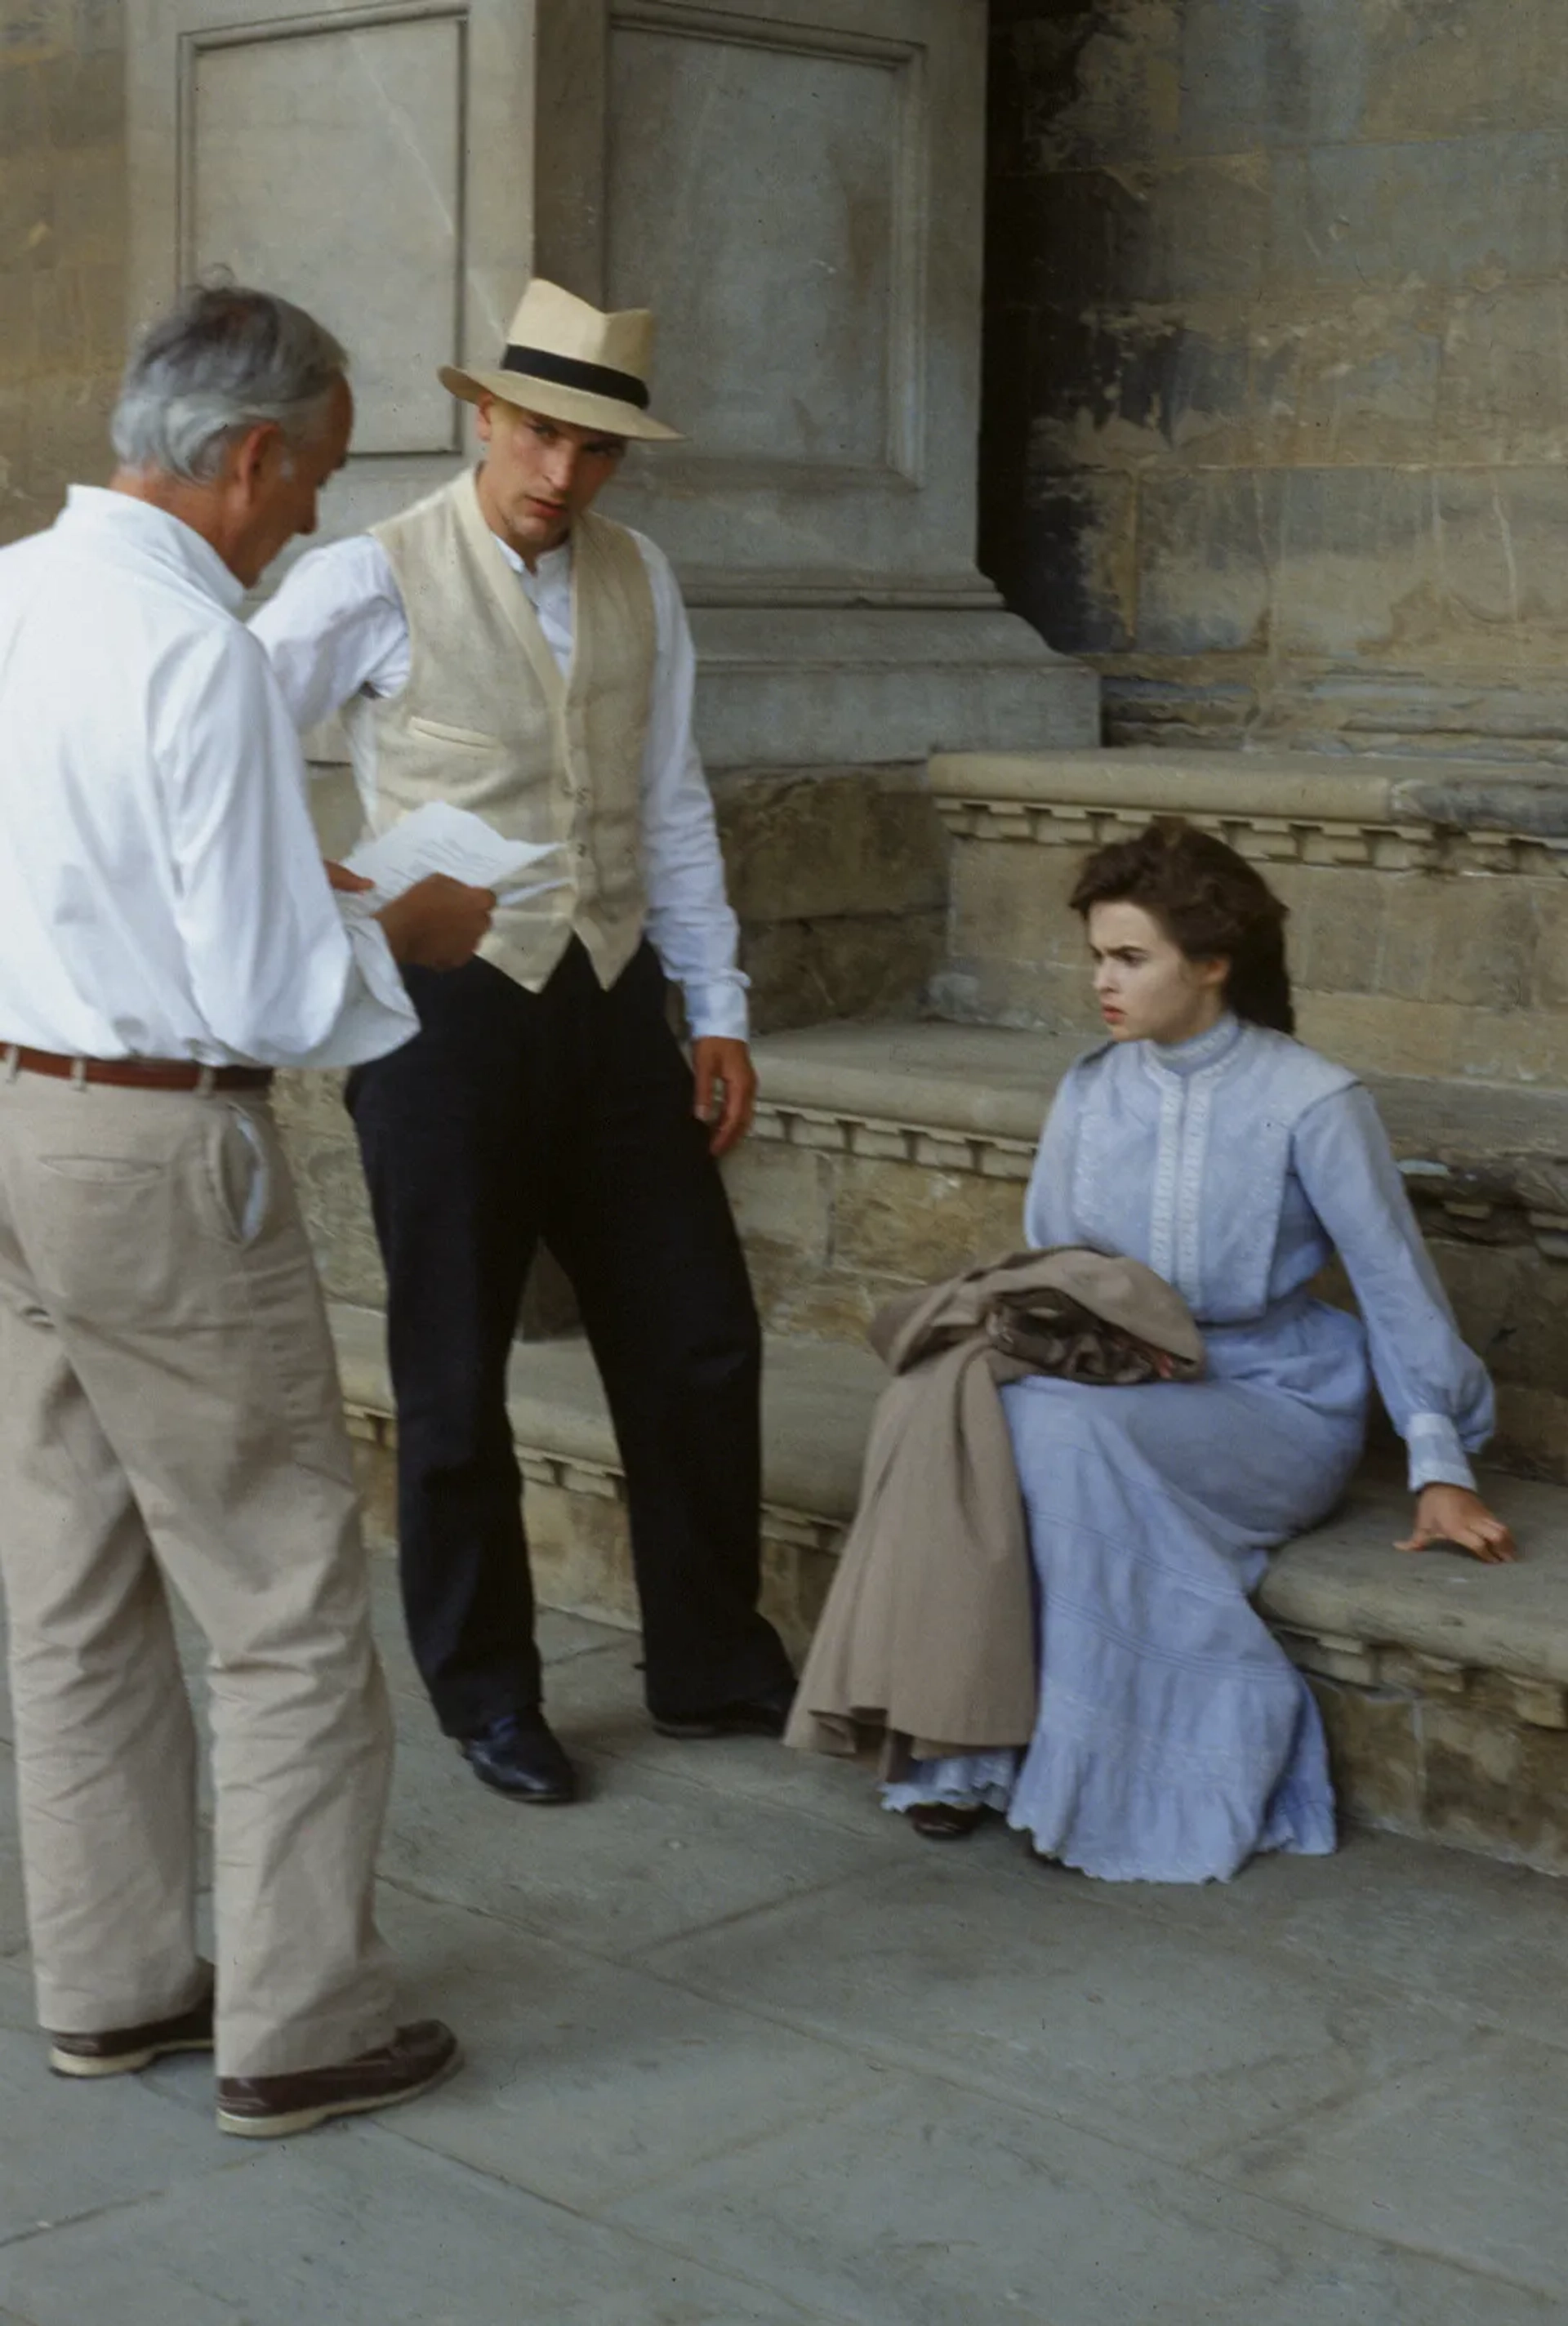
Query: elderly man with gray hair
pixel 171 1420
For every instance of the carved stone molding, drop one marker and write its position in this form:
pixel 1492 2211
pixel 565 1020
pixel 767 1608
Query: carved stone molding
pixel 1379 848
pixel 1388 815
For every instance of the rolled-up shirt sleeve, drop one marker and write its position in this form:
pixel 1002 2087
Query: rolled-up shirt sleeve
pixel 690 921
pixel 1437 1389
pixel 277 974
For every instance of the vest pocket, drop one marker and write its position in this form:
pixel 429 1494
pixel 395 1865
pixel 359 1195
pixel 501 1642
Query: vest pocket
pixel 470 737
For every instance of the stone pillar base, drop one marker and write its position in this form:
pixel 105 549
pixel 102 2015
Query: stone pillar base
pixel 845 685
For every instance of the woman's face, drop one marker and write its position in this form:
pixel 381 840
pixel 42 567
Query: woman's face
pixel 1146 987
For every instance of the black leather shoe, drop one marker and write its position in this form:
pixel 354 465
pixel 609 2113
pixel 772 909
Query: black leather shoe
pixel 763 1714
pixel 519 1755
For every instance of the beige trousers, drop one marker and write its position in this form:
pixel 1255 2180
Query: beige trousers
pixel 170 1416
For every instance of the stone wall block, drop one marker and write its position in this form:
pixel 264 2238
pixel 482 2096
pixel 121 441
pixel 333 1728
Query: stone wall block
pixel 1496 1788
pixel 84 99
pixel 1500 575
pixel 1136 384
pixel 1203 579
pixel 1383 1034
pixel 376 1475
pixel 1332 937
pixel 919 1225
pixel 1080 82
pixel 1374 1753
pixel 1346 549
pixel 1502 394
pixel 1207 233
pixel 1076 237
pixel 1269 77
pixel 1550 986
pixel 1452 210
pixel 24 108
pixel 824 844
pixel 781 1197
pixel 1513 1309
pixel 325 1157
pixel 578 1551
pixel 853 966
pixel 1464 941
pixel 1450 68
pixel 1532 1431
pixel 1365 386
pixel 86 195
pixel 1078 571
pixel 30 197
pixel 1011 902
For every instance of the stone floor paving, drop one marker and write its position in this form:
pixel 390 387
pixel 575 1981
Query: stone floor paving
pixel 740 2049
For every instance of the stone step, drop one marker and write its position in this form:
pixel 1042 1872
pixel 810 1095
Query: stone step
pixel 1444 1684
pixel 886 1155
pixel 1429 919
pixel 816 1398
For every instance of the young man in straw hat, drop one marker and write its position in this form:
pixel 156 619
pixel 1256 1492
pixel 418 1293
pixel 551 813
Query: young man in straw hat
pixel 500 646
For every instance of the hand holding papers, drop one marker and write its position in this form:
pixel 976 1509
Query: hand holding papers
pixel 438 838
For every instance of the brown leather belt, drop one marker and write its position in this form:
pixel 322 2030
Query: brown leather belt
pixel 136 1073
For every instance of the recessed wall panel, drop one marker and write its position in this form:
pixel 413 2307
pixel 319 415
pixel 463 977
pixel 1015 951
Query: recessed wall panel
pixel 328 165
pixel 753 201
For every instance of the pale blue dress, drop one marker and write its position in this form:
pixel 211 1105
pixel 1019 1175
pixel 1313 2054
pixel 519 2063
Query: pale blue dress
pixel 1175 1738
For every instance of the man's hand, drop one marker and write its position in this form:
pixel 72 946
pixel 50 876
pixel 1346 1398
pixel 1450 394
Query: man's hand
pixel 437 923
pixel 1453 1514
pixel 726 1089
pixel 347 883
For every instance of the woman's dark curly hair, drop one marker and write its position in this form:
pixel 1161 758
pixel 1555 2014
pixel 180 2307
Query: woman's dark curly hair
pixel 1209 901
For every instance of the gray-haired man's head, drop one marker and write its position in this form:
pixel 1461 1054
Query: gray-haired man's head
pixel 233 411
pixel 224 360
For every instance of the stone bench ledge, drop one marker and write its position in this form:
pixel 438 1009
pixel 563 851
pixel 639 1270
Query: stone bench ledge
pixel 974 1097
pixel 817 1399
pixel 1374 1608
pixel 1348 1604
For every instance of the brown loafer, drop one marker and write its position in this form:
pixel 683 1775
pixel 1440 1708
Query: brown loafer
pixel 124 2051
pixel 945 1820
pixel 269 2107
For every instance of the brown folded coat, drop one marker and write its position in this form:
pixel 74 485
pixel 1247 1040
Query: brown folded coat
pixel 929 1629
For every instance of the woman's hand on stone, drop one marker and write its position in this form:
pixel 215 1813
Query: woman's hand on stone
pixel 1453 1514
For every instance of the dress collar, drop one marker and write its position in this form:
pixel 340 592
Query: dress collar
pixel 1211 1048
pixel 146 532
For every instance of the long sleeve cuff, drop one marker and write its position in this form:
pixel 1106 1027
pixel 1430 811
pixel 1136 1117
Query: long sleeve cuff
pixel 1436 1456
pixel 718 1009
pixel 376 1016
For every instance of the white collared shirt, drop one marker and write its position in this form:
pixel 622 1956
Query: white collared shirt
pixel 337 627
pixel 162 892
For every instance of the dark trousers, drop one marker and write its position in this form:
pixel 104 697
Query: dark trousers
pixel 565 1115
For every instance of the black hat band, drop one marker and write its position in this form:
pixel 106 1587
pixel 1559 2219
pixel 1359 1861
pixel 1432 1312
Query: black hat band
pixel 566 371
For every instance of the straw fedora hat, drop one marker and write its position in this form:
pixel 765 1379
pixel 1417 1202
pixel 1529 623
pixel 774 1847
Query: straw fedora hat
pixel 567 361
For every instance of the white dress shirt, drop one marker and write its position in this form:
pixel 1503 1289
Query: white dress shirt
pixel 162 892
pixel 337 626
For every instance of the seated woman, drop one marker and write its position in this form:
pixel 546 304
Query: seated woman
pixel 1173 1737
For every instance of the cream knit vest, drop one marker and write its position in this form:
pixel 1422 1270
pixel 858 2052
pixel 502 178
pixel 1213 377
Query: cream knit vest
pixel 487 722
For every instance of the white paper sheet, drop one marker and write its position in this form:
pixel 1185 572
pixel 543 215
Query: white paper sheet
pixel 440 838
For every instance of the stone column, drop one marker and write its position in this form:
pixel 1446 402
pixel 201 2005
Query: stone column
pixel 793 185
